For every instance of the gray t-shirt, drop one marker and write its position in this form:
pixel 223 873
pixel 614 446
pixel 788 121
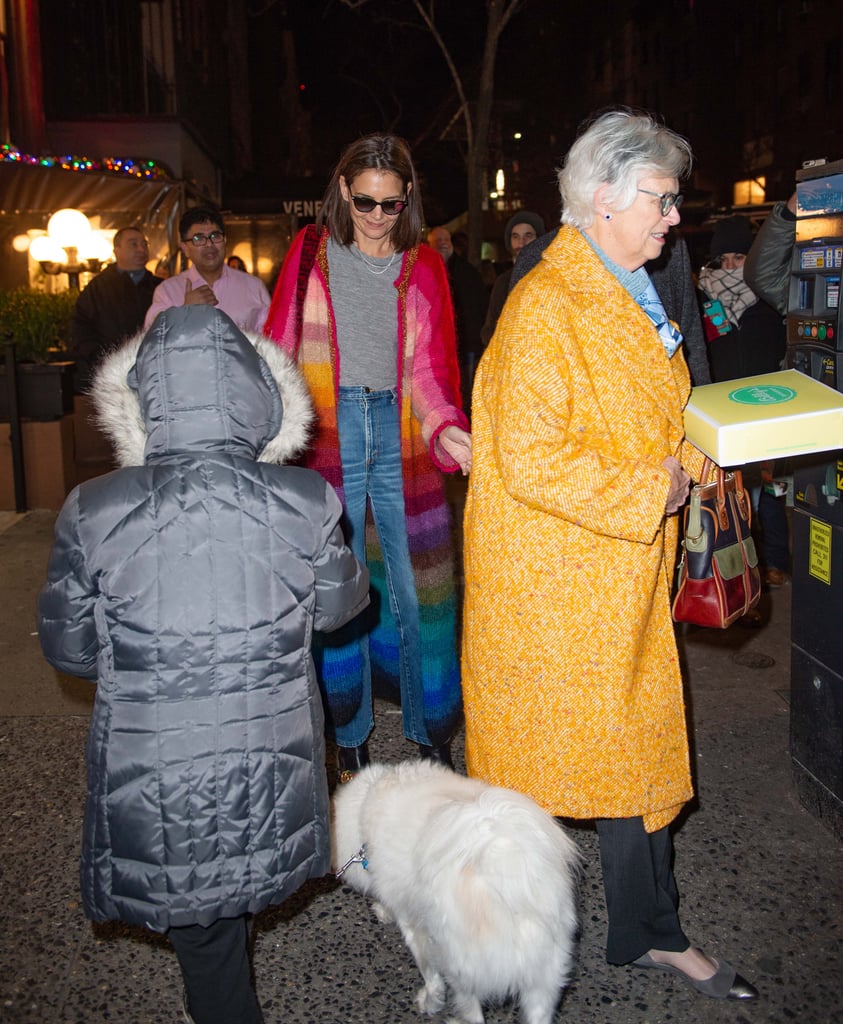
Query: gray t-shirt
pixel 365 303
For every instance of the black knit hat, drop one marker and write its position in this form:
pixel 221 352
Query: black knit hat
pixel 522 217
pixel 732 234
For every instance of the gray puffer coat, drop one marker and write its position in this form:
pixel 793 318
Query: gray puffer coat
pixel 188 585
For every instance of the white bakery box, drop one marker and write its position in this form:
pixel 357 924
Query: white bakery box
pixel 769 416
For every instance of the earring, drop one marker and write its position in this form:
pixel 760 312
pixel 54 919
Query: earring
pixel 607 216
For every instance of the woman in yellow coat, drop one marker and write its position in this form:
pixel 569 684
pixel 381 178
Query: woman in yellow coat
pixel 571 679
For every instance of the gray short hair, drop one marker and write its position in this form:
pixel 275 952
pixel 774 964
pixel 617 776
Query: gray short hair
pixel 618 149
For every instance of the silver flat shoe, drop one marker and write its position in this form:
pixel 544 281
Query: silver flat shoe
pixel 725 983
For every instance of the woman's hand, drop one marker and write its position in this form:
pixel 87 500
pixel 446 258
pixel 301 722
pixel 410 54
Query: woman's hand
pixel 457 443
pixel 680 484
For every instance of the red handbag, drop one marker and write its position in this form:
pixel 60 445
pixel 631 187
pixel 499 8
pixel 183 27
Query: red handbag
pixel 718 579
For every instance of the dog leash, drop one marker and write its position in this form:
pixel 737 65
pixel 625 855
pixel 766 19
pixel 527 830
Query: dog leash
pixel 358 858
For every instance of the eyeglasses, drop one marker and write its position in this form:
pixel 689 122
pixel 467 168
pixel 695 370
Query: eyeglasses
pixel 667 199
pixel 200 240
pixel 391 207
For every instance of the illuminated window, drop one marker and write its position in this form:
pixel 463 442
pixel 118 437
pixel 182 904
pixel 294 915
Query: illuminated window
pixel 750 191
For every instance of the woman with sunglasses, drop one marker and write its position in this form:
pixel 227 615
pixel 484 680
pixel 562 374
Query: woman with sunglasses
pixel 365 309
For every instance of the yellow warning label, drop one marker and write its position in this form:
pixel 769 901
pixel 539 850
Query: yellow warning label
pixel 819 555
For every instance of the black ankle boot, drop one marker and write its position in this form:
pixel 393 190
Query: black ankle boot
pixel 350 760
pixel 440 754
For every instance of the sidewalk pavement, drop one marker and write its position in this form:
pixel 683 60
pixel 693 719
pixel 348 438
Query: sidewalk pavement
pixel 760 878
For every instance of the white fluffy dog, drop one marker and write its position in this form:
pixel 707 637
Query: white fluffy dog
pixel 480 880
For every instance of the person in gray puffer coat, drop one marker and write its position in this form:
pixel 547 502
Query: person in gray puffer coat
pixel 188 584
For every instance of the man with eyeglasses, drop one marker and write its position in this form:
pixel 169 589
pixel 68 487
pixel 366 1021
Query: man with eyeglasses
pixel 209 281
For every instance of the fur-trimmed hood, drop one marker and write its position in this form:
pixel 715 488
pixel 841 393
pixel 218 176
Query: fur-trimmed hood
pixel 195 382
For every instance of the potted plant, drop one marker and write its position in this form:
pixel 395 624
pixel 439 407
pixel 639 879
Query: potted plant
pixel 38 323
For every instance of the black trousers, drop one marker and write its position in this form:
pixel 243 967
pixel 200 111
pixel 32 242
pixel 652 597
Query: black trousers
pixel 772 518
pixel 214 964
pixel 641 895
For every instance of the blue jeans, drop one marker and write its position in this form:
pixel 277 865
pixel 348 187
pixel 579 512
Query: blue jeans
pixel 370 450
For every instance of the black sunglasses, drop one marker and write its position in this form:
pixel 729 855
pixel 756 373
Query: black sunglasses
pixel 391 207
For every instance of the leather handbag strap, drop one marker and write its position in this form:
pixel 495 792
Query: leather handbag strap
pixel 721 478
pixel 722 511
pixel 694 537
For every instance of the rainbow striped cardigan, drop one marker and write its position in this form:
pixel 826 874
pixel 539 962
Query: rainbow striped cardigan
pixel 301 321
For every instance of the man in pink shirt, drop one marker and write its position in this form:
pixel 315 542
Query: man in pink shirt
pixel 209 280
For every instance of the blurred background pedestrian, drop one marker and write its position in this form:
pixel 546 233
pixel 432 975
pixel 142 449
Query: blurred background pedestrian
pixel 522 228
pixel 767 267
pixel 746 336
pixel 470 297
pixel 209 280
pixel 112 306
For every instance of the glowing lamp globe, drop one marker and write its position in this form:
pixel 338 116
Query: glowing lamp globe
pixel 95 247
pixel 68 227
pixel 44 249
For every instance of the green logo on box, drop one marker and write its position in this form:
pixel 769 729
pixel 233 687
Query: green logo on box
pixel 762 394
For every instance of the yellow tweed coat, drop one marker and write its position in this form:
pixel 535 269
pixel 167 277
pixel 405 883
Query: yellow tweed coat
pixel 571 680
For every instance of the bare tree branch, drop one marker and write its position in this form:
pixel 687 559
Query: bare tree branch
pixel 427 15
pixel 477 116
pixel 509 9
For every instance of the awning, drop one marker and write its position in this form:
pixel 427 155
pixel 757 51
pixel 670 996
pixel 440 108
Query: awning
pixel 29 194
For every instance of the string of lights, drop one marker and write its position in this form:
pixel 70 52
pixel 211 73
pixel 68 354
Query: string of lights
pixel 147 169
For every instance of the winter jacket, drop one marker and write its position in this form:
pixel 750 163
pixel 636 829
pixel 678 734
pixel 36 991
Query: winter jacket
pixel 756 345
pixel 497 300
pixel 109 310
pixel 571 681
pixel 470 297
pixel 767 267
pixel 187 584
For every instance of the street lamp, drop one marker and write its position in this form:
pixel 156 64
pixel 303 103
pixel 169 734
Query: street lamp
pixel 70 246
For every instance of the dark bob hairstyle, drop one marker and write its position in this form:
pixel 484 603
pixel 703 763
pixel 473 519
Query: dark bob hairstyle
pixel 389 154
